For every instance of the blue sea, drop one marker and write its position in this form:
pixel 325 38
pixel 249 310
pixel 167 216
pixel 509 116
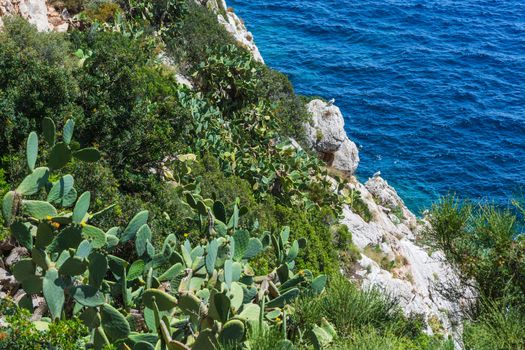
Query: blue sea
pixel 433 92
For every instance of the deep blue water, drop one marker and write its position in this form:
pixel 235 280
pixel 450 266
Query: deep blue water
pixel 433 92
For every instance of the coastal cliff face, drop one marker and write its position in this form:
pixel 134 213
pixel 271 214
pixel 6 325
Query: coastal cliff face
pixel 391 257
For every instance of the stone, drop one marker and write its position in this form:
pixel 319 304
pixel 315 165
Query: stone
pixel 326 134
pixel 423 283
pixel 16 255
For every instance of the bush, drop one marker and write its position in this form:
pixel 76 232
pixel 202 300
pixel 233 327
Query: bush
pixel 36 81
pixel 198 33
pixel 485 242
pixel 22 334
pixel 497 328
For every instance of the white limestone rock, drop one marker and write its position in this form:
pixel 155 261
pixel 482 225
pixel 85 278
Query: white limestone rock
pixel 423 283
pixel 326 135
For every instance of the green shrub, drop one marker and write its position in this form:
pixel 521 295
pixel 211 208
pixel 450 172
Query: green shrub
pixel 22 334
pixel 36 81
pixel 485 242
pixel 349 309
pixel 497 328
pixel 198 33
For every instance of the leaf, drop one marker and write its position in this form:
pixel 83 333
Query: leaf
pixel 38 209
pixel 33 182
pixel 73 266
pixel 284 298
pixel 44 235
pixel 60 188
pixel 49 130
pixel 98 266
pixel 255 246
pixel 143 236
pixel 135 270
pixel 88 296
pixel 81 208
pixel 211 256
pixel 70 237
pixel 171 273
pixel 219 211
pixel 53 293
pixel 131 230
pixel 60 155
pixel 242 239
pixel 23 270
pixel 114 323
pixel 22 234
pixel 293 252
pixel 96 235
pixel 89 155
pixel 163 300
pixel 68 131
pixel 32 150
pixel 8 207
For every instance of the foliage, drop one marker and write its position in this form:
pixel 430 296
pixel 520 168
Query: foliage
pixel 35 81
pixel 350 309
pixel 497 328
pixel 22 334
pixel 214 292
pixel 485 242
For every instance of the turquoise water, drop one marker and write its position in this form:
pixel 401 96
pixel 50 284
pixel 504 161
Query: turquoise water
pixel 433 92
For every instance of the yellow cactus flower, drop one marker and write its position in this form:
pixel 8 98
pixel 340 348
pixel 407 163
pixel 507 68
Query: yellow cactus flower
pixel 186 235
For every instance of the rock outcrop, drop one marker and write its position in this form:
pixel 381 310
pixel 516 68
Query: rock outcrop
pixel 391 257
pixel 327 136
pixel 37 12
pixel 234 25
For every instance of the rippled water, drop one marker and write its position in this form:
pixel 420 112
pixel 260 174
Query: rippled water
pixel 433 92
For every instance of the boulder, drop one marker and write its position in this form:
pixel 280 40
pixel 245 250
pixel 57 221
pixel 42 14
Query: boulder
pixel 326 134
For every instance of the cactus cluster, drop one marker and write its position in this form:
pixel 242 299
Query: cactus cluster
pixel 174 296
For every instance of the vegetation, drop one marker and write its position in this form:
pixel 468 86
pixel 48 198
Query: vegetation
pixel 487 245
pixel 185 217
